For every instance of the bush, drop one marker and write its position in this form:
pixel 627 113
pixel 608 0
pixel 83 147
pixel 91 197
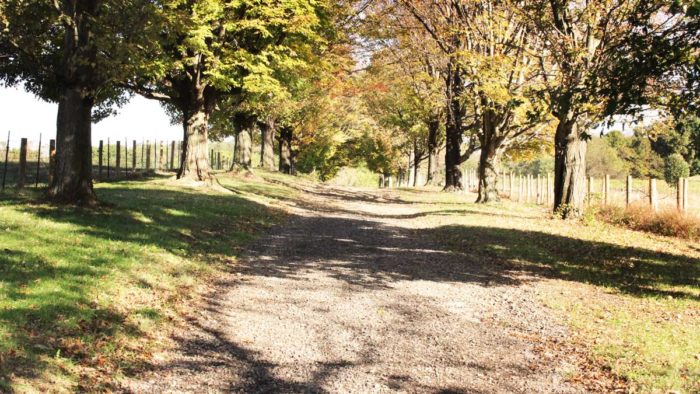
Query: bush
pixel 359 176
pixel 675 167
pixel 668 222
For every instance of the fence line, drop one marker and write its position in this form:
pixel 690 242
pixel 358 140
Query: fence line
pixel 539 189
pixel 111 159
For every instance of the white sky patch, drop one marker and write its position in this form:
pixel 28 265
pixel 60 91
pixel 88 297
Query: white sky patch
pixel 26 116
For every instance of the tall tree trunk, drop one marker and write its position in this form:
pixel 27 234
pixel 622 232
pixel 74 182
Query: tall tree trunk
pixel 490 142
pixel 195 145
pixel 234 156
pixel 244 149
pixel 72 173
pixel 569 168
pixel 453 129
pixel 453 173
pixel 433 128
pixel 409 168
pixel 416 162
pixel 285 150
pixel 267 149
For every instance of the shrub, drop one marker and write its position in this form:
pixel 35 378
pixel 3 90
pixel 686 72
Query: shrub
pixel 668 222
pixel 675 167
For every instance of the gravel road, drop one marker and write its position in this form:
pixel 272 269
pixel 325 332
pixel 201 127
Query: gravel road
pixel 352 296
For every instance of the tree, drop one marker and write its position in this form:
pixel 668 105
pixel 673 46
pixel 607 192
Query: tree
pixel 500 73
pixel 444 22
pixel 644 162
pixel 213 49
pixel 407 69
pixel 675 167
pixel 74 53
pixel 578 42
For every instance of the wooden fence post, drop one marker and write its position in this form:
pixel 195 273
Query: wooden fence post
pixel 161 157
pixel 590 190
pixel 126 157
pixel 38 163
pixel 679 194
pixel 172 155
pixel 606 189
pixel 100 151
pixel 22 163
pixel 109 157
pixel 133 155
pixel 148 156
pixel 119 159
pixel 653 196
pixel 628 191
pixel 520 187
pixel 7 154
pixel 510 184
pixel 52 159
pixel 218 160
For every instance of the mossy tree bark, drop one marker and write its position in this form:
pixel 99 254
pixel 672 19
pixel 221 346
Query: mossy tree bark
pixel 490 140
pixel 569 168
pixel 267 149
pixel 286 164
pixel 433 146
pixel 71 180
pixel 453 129
pixel 195 145
pixel 244 149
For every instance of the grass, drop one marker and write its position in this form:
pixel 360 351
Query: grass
pixel 89 295
pixel 86 295
pixel 632 299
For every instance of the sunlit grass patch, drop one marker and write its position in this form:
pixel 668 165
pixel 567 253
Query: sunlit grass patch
pixel 85 293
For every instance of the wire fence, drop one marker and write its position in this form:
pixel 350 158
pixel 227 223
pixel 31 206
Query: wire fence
pixel 653 193
pixel 28 162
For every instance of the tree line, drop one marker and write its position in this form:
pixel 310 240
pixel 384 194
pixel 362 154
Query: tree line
pixel 349 82
pixel 515 79
pixel 216 66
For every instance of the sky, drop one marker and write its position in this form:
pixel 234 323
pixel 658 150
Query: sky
pixel 26 116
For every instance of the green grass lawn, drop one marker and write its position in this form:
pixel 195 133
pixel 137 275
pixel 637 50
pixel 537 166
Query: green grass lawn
pixel 632 299
pixel 85 294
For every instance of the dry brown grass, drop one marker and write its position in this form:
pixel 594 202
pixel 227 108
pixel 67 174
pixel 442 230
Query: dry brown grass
pixel 668 222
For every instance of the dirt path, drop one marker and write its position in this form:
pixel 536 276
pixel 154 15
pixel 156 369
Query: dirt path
pixel 351 296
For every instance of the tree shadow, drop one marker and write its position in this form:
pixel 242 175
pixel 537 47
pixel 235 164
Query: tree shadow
pixel 371 255
pixel 51 292
pixel 631 270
